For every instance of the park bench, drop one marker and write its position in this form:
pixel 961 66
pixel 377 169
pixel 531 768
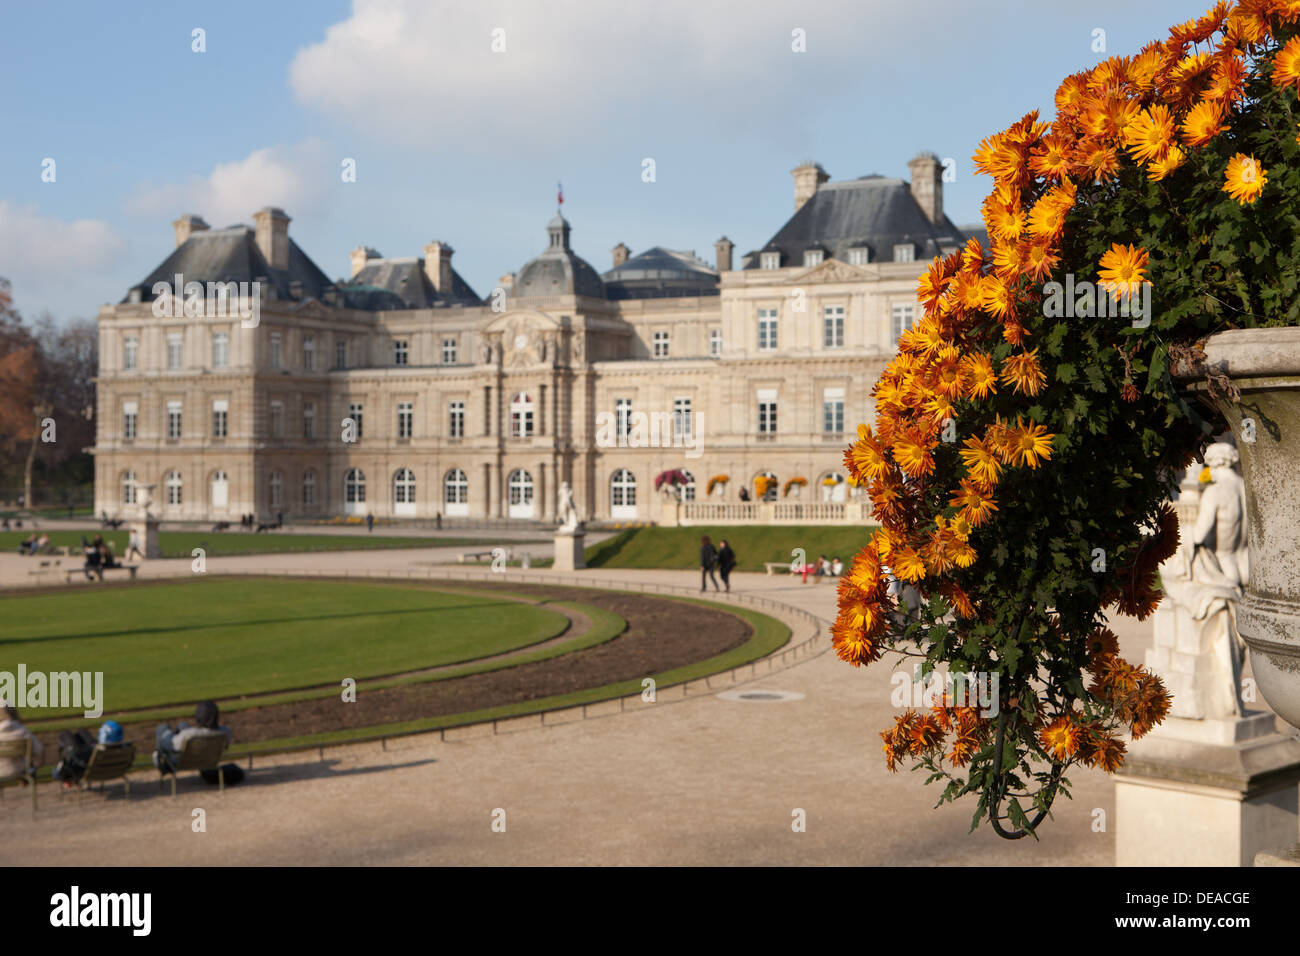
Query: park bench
pixel 99 572
pixel 201 752
pixel 109 762
pixel 47 567
pixel 22 750
pixel 480 555
pixel 772 566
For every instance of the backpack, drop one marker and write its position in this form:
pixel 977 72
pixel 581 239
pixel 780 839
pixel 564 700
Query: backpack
pixel 231 771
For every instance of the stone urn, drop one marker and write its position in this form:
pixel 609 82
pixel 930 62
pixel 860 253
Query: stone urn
pixel 1265 365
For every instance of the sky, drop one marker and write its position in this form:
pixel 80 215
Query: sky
pixel 461 116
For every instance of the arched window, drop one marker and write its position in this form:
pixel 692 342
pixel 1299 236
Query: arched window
pixel 833 486
pixel 275 487
pixel 688 489
pixel 129 483
pixel 520 490
pixel 766 486
pixel 404 492
pixel 309 488
pixel 521 415
pixel 354 491
pixel 173 485
pixel 622 494
pixel 455 488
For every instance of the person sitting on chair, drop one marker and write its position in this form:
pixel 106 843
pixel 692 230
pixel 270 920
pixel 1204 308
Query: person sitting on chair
pixel 92 566
pixel 75 748
pixel 11 728
pixel 168 742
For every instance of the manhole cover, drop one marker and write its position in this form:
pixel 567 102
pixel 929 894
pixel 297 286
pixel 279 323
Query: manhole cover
pixel 761 696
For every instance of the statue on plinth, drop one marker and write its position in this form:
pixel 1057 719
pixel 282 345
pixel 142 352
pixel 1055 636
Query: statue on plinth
pixel 567 511
pixel 1198 652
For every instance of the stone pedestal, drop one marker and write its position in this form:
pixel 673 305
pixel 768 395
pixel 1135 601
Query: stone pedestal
pixel 570 552
pixel 146 529
pixel 1207 793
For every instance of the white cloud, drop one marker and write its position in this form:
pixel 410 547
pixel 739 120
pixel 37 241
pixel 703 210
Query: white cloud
pixel 423 72
pixel 54 263
pixel 292 177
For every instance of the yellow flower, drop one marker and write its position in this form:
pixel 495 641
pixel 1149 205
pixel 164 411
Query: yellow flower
pixel 1029 443
pixel 1245 178
pixel 981 461
pixel 1123 270
pixel 981 380
pixel 1150 134
pixel 907 565
pixel 1024 373
pixel 1286 65
pixel 1163 167
pixel 1204 121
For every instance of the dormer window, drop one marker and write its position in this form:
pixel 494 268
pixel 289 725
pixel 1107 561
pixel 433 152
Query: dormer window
pixel 859 256
pixel 905 252
pixel 770 260
pixel 812 257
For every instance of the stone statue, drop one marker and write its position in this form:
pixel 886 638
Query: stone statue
pixel 144 498
pixel 1198 652
pixel 567 511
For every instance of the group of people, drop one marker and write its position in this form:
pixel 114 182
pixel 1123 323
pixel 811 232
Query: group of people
pixel 824 568
pixel 249 522
pixel 35 545
pixel 77 746
pixel 99 554
pixel 722 558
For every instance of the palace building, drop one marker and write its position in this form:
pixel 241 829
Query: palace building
pixel 403 393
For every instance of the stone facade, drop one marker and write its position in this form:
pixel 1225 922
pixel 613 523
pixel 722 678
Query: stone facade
pixel 473 411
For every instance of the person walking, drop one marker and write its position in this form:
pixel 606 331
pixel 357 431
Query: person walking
pixel 370 523
pixel 133 546
pixel 726 561
pixel 708 561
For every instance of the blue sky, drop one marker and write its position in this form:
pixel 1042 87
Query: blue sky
pixel 454 141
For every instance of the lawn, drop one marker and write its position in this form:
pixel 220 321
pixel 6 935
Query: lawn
pixel 753 544
pixel 180 544
pixel 167 643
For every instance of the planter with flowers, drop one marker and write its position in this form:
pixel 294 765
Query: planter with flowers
pixel 717 483
pixel 1160 207
pixel 795 485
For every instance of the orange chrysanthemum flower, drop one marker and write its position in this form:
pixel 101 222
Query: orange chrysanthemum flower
pixel 1123 270
pixel 907 565
pixel 1245 178
pixel 1203 122
pixel 913 454
pixel 981 460
pixel 1028 444
pixel 1060 738
pixel 981 380
pixel 1023 373
pixel 1286 65
pixel 975 501
pixel 1150 134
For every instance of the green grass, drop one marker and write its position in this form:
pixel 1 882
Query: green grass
pixel 181 544
pixel 679 548
pixel 218 638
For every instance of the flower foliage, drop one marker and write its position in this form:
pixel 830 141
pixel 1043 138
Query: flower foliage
pixel 673 478
pixel 1172 174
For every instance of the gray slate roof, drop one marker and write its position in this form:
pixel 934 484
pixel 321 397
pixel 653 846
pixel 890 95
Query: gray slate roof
pixel 874 211
pixel 661 273
pixel 557 271
pixel 403 284
pixel 232 255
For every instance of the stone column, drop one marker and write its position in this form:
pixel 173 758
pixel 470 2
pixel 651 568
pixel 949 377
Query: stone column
pixel 544 511
pixel 487 491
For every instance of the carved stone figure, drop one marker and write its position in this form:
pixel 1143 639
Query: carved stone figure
pixel 566 511
pixel 1198 652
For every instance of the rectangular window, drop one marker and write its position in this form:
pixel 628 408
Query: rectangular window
pixel 833 411
pixel 661 344
pixel 623 417
pixel 905 252
pixel 859 256
pixel 405 419
pixel 767 411
pixel 275 350
pixel 812 257
pixel 309 420
pixel 682 419
pixel 173 420
pixel 277 419
pixel 448 351
pixel 770 260
pixel 130 352
pixel 715 342
pixel 766 330
pixel 354 413
pixel 130 414
pixel 220 349
pixel 309 489
pixel 833 327
pixel 309 353
pixel 174 344
pixel 903 313
pixel 341 354
pixel 399 352
pixel 456 419
pixel 220 410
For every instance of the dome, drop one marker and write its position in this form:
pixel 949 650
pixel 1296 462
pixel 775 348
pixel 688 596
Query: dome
pixel 661 273
pixel 557 271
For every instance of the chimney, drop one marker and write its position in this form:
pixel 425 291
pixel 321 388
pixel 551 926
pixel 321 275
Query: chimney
pixel 621 252
pixel 272 227
pixel 807 177
pixel 437 266
pixel 507 281
pixel 927 185
pixel 359 256
pixel 186 226
pixel 723 249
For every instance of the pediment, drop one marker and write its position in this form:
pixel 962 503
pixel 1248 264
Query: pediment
pixel 832 270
